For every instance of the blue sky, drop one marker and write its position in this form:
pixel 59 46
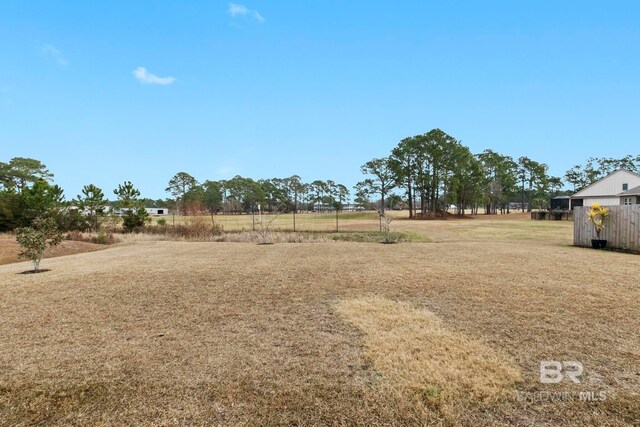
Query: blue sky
pixel 109 91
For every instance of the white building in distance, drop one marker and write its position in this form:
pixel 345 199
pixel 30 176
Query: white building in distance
pixel 613 189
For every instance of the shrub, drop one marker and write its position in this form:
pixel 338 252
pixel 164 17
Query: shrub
pixel 134 219
pixel 104 238
pixel 162 222
pixel 101 238
pixel 385 223
pixel 72 220
pixel 35 239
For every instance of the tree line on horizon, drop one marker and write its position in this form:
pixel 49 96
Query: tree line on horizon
pixel 245 195
pixel 27 195
pixel 425 174
pixel 436 171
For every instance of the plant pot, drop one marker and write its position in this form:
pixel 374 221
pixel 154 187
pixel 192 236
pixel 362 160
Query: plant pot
pixel 598 244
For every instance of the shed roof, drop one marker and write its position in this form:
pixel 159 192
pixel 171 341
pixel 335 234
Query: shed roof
pixel 633 192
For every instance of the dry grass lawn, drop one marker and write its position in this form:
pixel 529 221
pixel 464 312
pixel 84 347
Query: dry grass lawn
pixel 449 332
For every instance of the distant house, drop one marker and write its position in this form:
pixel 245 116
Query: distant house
pixel 150 211
pixel 352 207
pixel 630 197
pixel 157 211
pixel 325 207
pixel 609 190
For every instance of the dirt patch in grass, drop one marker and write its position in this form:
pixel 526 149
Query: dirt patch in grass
pixel 415 353
pixel 9 249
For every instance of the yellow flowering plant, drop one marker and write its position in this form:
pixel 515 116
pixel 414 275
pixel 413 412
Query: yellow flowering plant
pixel 598 214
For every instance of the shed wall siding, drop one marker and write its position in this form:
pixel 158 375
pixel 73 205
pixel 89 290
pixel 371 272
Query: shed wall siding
pixel 604 201
pixel 610 185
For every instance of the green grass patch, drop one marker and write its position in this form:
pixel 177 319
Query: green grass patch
pixel 376 237
pixel 356 215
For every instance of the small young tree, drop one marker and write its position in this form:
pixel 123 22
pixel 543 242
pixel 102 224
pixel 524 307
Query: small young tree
pixel 385 222
pixel 128 195
pixel 93 202
pixel 264 225
pixel 134 214
pixel 134 219
pixel 36 238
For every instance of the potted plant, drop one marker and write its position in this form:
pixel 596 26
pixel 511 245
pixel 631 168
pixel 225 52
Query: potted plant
pixel 597 215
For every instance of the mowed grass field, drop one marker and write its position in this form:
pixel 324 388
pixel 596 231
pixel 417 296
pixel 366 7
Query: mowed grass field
pixel 446 332
pixel 322 221
pixel 308 221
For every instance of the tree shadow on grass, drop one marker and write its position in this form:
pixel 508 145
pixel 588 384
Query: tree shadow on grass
pixel 42 270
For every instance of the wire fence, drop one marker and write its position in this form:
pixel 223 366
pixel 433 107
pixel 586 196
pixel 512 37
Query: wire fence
pixel 339 221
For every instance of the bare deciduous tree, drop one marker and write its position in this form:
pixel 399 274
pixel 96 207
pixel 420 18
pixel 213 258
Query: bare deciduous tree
pixel 385 221
pixel 264 225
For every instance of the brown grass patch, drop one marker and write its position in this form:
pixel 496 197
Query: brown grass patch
pixel 415 353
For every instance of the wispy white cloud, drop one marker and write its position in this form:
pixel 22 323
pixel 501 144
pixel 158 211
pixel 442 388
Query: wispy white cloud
pixel 146 77
pixel 237 9
pixel 240 10
pixel 55 53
